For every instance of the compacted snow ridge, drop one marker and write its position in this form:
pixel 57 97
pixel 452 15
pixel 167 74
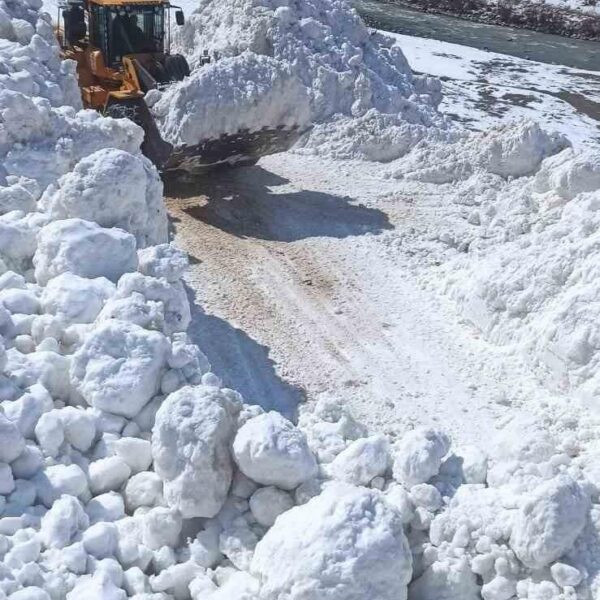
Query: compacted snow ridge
pixel 127 470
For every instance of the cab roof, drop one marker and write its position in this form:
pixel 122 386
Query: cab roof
pixel 122 3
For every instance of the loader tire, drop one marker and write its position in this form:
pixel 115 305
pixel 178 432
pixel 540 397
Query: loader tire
pixel 177 67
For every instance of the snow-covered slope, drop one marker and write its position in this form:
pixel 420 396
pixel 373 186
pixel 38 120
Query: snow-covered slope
pixel 296 63
pixel 572 18
pixel 128 470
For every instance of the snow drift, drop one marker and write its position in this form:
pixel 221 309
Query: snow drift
pixel 294 63
pixel 127 470
pixel 530 278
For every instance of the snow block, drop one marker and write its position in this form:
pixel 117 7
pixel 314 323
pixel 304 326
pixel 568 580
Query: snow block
pixel 85 249
pixel 549 522
pixel 190 445
pixel 119 366
pixel 271 451
pixel 345 544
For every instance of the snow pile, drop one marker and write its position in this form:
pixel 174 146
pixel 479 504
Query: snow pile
pixel 294 63
pixel 530 276
pixel 127 470
pixel 343 544
pixel 511 150
pixel 42 136
pixel 208 103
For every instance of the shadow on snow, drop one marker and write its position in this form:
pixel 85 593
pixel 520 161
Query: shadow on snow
pixel 242 363
pixel 245 202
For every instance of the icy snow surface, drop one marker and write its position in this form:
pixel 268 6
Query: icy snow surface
pixel 127 468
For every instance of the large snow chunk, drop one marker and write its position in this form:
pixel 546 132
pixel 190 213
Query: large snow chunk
pixel 108 474
pixel 63 522
pixel 190 445
pixel 345 544
pixel 268 503
pixel 12 442
pixel 45 367
pixel 143 489
pixel 270 450
pixel 418 456
pixel 76 299
pixel 209 103
pixel 26 410
pixel 362 460
pixel 119 366
pixel 161 527
pixel 177 315
pixel 549 522
pixel 16 197
pixel 85 249
pixel 18 237
pixel 450 579
pixel 60 479
pixel 114 189
pixel 164 260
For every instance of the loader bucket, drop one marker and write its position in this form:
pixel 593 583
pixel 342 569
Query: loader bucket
pixel 242 147
pixel 136 109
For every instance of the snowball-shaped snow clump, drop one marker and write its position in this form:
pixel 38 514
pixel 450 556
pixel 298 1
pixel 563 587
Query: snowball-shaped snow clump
pixel 12 441
pixel 418 456
pixel 85 249
pixel 119 366
pixel 175 302
pixel 345 544
pixel 268 503
pixel 450 579
pixel 270 450
pixel 114 189
pixel 76 299
pixel 63 522
pixel 362 460
pixel 164 260
pixel 549 522
pixel 190 445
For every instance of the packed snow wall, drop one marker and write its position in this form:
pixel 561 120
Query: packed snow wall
pixel 127 470
pixel 528 278
pixel 301 63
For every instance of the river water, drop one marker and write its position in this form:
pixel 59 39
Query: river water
pixel 541 47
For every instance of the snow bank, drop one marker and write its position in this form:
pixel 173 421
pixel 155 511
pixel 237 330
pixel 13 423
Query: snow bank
pixel 286 63
pixel 127 470
pixel 511 150
pixel 530 276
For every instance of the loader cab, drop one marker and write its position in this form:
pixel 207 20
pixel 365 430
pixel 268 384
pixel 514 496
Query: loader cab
pixel 121 29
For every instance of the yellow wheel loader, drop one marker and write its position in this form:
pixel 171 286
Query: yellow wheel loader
pixel 122 50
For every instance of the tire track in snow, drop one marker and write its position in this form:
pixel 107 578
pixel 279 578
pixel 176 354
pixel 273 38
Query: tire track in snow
pixel 340 314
